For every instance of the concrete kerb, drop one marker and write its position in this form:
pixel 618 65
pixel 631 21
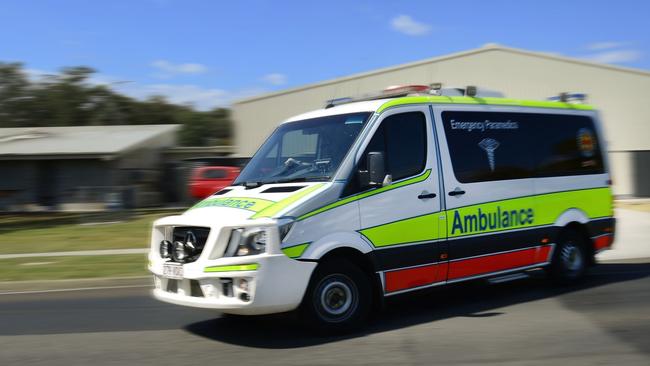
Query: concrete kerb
pixel 77 253
pixel 74 284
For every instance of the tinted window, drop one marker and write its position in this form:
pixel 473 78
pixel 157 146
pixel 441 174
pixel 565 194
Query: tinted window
pixel 406 144
pixel 402 139
pixel 488 146
pixel 567 145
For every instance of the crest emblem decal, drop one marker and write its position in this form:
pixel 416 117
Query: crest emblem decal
pixel 489 145
pixel 586 142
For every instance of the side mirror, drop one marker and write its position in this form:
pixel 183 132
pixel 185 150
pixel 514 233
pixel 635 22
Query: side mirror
pixel 377 169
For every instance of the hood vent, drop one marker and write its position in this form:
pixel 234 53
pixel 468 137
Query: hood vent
pixel 283 189
pixel 223 191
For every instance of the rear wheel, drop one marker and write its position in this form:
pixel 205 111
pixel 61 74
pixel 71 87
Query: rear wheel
pixel 570 260
pixel 338 298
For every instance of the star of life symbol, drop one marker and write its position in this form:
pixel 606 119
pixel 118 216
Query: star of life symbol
pixel 489 145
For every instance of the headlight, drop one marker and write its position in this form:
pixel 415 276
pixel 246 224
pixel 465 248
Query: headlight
pixel 180 253
pixel 246 242
pixel 165 249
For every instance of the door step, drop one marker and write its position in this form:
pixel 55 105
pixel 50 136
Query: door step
pixel 508 278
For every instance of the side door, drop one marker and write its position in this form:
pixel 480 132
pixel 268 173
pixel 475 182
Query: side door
pixel 488 158
pixel 402 219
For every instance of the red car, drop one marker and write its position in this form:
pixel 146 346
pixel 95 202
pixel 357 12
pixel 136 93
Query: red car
pixel 210 179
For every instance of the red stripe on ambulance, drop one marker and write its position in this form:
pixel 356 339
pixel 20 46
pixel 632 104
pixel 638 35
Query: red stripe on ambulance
pixel 409 278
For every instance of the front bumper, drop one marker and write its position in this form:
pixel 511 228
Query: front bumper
pixel 276 284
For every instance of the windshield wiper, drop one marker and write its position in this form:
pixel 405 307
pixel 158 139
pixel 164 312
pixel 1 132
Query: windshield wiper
pixel 257 184
pixel 301 179
pixel 250 185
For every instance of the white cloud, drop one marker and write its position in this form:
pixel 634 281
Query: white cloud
pixel 611 52
pixel 615 56
pixel 188 94
pixel 409 26
pixel 37 74
pixel 197 96
pixel 599 46
pixel 275 79
pixel 168 69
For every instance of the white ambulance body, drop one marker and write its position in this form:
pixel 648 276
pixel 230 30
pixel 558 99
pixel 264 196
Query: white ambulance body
pixel 343 206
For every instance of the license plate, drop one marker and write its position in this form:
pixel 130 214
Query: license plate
pixel 173 271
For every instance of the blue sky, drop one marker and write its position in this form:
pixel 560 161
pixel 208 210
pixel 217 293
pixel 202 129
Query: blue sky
pixel 210 52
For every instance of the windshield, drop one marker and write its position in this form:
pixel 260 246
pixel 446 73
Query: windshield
pixel 308 150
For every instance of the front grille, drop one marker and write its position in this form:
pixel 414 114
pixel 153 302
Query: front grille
pixel 193 238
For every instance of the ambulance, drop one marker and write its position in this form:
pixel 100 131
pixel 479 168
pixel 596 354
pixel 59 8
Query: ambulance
pixel 403 190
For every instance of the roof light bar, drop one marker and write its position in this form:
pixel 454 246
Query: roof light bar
pixel 416 89
pixel 390 92
pixel 405 89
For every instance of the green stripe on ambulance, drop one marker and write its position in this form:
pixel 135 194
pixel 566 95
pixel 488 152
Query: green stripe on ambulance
pixel 504 215
pixel 244 203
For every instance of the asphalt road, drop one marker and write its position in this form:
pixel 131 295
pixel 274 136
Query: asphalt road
pixel 605 320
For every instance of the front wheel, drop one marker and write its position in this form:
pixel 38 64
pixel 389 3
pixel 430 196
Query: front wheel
pixel 338 298
pixel 569 262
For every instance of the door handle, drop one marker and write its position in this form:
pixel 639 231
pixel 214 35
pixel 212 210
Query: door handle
pixel 425 196
pixel 456 192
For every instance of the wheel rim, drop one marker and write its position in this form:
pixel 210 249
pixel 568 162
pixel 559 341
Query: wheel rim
pixel 337 298
pixel 572 258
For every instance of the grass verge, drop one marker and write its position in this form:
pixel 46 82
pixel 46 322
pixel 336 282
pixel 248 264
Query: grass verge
pixel 74 267
pixel 38 233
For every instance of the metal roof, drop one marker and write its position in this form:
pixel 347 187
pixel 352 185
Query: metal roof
pixel 78 140
pixel 486 48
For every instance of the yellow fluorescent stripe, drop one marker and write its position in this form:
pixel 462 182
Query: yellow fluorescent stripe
pixel 273 209
pixel 244 203
pixel 489 101
pixel 543 209
pixel 420 228
pixel 416 179
pixel 295 251
pixel 233 268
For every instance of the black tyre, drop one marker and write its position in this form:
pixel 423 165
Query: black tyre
pixel 570 258
pixel 338 299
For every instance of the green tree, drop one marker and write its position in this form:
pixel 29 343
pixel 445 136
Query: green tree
pixel 205 128
pixel 14 95
pixel 69 98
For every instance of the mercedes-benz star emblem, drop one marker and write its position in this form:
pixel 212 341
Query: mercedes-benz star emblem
pixel 190 240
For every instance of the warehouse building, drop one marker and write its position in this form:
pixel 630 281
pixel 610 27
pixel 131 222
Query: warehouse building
pixel 618 93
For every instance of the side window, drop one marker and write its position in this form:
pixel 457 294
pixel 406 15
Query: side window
pixel 567 145
pixel 403 140
pixel 487 146
pixel 406 144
